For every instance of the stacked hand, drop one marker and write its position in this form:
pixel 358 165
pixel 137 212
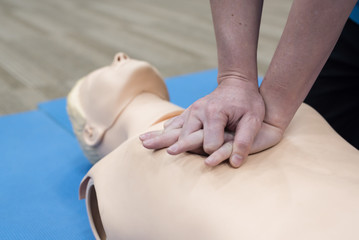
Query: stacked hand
pixel 226 124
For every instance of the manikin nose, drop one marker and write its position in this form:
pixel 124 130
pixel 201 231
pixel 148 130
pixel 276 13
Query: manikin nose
pixel 120 57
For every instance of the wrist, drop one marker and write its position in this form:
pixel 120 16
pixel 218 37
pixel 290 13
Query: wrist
pixel 279 110
pixel 237 78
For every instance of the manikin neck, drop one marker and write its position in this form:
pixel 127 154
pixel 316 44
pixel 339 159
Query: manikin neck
pixel 143 111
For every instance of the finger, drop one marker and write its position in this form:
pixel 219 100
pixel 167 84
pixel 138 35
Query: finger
pixel 194 143
pixel 176 122
pixel 169 121
pixel 213 134
pixel 191 125
pixel 173 123
pixel 191 142
pixel 149 135
pixel 222 154
pixel 246 131
pixel 163 140
pixel 228 136
pixel 199 151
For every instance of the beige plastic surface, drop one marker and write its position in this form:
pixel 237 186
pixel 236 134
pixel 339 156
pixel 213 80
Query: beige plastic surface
pixel 306 187
pixel 112 89
pixel 97 100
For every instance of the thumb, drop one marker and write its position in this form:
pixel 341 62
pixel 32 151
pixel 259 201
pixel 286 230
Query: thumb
pixel 246 131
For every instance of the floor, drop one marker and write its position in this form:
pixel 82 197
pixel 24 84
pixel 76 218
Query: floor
pixel 46 45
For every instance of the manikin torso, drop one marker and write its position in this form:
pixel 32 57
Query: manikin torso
pixel 306 187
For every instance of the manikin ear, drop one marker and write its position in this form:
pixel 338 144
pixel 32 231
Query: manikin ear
pixel 88 191
pixel 93 135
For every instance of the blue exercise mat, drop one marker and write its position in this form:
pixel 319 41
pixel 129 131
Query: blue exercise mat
pixel 41 166
pixel 40 169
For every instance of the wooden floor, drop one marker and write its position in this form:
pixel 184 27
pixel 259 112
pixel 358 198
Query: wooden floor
pixel 46 45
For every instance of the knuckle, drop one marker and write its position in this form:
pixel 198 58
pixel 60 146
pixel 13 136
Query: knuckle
pixel 228 146
pixel 212 109
pixel 196 106
pixel 224 152
pixel 183 144
pixel 254 120
pixel 242 145
pixel 209 148
pixel 179 121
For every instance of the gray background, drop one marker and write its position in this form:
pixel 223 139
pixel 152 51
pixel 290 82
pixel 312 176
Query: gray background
pixel 47 45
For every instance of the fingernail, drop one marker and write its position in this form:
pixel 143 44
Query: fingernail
pixel 147 142
pixel 173 148
pixel 236 160
pixel 143 136
pixel 209 161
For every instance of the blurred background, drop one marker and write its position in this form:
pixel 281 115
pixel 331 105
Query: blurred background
pixel 47 45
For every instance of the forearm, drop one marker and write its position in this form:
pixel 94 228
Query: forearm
pixel 236 25
pixel 311 32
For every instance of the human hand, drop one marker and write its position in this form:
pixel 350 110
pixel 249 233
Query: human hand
pixel 268 136
pixel 235 106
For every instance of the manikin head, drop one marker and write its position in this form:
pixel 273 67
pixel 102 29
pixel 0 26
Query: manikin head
pixel 98 99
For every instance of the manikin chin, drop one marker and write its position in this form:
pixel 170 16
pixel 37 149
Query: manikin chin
pixel 306 187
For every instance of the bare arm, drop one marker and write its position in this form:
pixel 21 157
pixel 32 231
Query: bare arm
pixel 312 29
pixel 236 104
pixel 236 24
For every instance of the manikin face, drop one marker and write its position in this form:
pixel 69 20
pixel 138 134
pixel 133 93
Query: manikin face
pixel 103 95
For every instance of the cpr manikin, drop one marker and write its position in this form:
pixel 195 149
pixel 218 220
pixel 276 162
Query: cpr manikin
pixel 306 187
